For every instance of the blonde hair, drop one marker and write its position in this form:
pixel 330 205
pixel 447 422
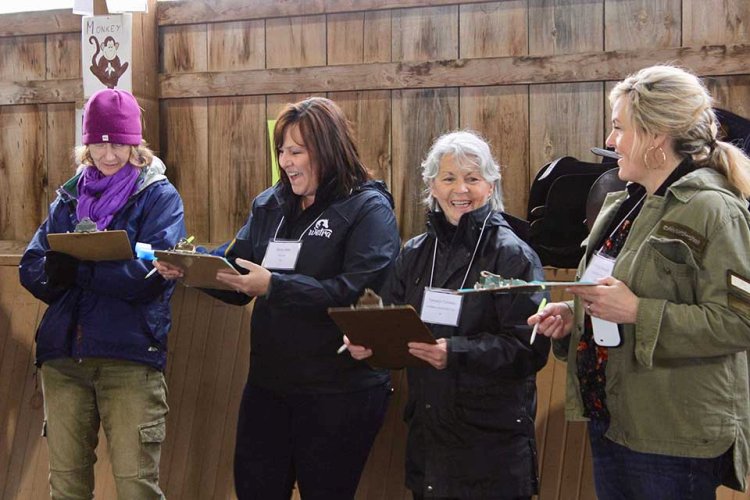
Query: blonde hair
pixel 669 100
pixel 140 155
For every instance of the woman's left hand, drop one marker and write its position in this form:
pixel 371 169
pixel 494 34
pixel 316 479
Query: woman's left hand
pixel 611 300
pixel 254 283
pixel 435 354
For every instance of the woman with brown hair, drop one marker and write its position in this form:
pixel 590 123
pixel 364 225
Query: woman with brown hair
pixel 315 240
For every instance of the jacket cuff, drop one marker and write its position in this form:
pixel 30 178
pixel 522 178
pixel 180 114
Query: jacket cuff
pixel 458 347
pixel 647 326
pixel 270 285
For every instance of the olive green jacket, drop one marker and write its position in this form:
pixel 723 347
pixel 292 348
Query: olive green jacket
pixel 678 384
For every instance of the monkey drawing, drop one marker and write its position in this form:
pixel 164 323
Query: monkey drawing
pixel 108 69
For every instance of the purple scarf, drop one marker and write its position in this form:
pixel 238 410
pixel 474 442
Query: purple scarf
pixel 100 197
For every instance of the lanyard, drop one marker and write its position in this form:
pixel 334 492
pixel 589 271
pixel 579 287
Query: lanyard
pixel 626 217
pixel 479 240
pixel 303 232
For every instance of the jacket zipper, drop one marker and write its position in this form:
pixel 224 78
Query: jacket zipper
pixel 79 341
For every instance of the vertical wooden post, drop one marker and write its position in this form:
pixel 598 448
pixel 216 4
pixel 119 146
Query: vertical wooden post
pixel 145 71
pixel 100 8
pixel 144 67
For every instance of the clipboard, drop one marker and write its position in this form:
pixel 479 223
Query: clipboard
pixel 200 268
pixel 96 246
pixel 526 287
pixel 385 330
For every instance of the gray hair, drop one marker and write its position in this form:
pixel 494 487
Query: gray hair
pixel 465 146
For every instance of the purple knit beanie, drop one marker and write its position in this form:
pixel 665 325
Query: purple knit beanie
pixel 112 115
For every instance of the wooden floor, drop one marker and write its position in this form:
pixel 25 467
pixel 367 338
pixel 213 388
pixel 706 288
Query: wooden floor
pixel 207 366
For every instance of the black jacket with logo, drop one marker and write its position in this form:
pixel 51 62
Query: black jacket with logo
pixel 349 244
pixel 471 425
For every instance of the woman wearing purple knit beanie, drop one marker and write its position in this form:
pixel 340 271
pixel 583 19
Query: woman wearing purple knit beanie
pixel 102 343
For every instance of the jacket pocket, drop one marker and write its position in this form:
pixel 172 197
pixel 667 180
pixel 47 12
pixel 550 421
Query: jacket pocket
pixel 152 316
pixel 492 409
pixel 152 434
pixel 669 270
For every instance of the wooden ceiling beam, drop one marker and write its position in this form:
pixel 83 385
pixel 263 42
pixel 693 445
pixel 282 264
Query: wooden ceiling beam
pixel 714 60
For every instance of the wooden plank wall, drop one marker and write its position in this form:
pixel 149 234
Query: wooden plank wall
pixel 206 371
pixel 531 75
pixel 40 88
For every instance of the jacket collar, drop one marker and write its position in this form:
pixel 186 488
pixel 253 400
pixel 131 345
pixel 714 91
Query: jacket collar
pixel 289 202
pixel 702 179
pixel 282 196
pixel 469 226
pixel 683 189
pixel 150 174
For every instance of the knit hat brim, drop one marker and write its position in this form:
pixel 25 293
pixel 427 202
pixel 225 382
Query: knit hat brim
pixel 115 138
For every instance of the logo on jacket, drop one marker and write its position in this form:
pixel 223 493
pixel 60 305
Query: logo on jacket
pixel 321 229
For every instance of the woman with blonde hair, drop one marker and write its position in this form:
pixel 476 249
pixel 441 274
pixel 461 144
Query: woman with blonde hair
pixel 657 351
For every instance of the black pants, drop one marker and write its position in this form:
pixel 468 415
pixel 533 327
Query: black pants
pixel 321 441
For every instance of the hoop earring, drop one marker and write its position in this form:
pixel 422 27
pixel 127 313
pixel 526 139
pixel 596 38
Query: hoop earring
pixel 663 158
pixel 661 163
pixel 645 158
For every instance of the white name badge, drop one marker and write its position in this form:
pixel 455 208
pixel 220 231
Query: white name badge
pixel 441 307
pixel 281 255
pixel 606 333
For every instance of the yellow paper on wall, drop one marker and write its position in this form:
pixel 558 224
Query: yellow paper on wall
pixel 274 158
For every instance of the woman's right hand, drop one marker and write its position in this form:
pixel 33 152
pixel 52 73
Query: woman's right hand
pixel 168 271
pixel 358 352
pixel 555 320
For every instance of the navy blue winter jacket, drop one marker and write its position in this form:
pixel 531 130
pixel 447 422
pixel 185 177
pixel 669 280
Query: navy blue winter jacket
pixel 112 312
pixel 348 244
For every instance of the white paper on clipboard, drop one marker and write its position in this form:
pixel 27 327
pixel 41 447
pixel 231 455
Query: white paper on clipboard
pixel 606 333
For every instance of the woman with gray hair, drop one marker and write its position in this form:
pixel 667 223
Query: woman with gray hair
pixel 471 407
pixel 664 382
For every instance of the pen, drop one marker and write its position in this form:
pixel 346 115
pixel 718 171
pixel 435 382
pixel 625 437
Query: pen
pixel 150 273
pixel 540 309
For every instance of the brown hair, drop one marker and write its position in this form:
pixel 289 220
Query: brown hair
pixel 328 137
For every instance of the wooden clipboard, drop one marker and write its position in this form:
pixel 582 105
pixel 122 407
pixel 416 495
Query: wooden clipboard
pixel 96 245
pixel 385 330
pixel 200 268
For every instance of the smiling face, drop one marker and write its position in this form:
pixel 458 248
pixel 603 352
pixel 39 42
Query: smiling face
pixel 109 158
pixel 459 188
pixel 623 139
pixel 302 171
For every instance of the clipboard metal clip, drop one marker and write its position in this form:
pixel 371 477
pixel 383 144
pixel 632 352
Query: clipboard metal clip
pixel 185 245
pixel 492 280
pixel 369 300
pixel 85 226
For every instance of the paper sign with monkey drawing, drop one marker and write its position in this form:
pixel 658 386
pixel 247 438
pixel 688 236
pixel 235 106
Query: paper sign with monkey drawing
pixel 106 51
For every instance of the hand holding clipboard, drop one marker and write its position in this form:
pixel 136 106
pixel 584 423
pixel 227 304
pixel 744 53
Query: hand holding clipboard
pixel 387 331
